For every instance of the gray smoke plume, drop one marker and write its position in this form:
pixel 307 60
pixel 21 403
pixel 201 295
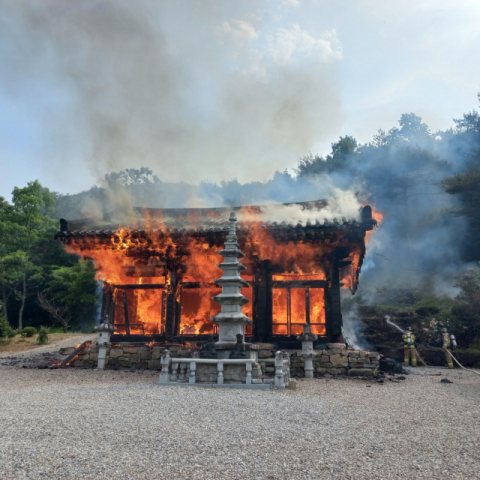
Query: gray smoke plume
pixel 193 90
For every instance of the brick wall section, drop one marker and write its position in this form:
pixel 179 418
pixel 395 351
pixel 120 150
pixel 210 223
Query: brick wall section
pixel 335 360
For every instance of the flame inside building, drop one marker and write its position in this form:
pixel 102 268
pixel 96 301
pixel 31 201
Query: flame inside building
pixel 159 272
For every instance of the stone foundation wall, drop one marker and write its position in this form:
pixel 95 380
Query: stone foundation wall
pixel 335 360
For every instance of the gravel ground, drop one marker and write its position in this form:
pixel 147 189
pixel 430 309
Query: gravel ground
pixel 119 424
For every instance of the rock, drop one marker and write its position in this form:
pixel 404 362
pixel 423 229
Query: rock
pixel 339 360
pixel 135 358
pixel 154 365
pixel 145 354
pixel 292 385
pixel 66 350
pixel 445 380
pixel 94 356
pixel 340 346
pixel 365 359
pixel 265 346
pixel 362 372
pixel 336 371
pixel 354 353
pixel 130 349
pixel 126 363
pixel 116 352
pixel 183 353
pixel 265 354
pixel 321 370
pixel 324 359
pixel 401 377
pixel 374 356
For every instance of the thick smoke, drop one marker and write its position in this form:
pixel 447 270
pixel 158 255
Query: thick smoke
pixel 193 90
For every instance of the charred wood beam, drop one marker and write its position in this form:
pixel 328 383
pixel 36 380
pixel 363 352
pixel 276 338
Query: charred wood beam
pixel 299 283
pixel 125 307
pixel 67 360
pixel 140 286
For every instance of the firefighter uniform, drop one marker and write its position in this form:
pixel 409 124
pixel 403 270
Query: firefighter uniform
pixel 446 344
pixel 409 349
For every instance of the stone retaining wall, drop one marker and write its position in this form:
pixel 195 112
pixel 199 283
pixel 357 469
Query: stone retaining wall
pixel 335 360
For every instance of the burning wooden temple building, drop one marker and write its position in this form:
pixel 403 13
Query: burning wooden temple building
pixel 159 266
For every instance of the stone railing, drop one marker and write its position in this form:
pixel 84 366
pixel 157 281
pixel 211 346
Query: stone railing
pixel 219 372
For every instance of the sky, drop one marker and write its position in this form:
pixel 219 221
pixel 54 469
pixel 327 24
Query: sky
pixel 213 90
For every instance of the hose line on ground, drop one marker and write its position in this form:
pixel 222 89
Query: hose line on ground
pixel 458 363
pixel 461 366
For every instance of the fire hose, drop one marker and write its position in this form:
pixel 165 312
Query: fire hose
pixel 458 363
pixel 461 366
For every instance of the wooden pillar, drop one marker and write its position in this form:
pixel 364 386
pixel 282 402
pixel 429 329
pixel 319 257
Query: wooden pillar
pixel 264 302
pixel 335 305
pixel 125 306
pixel 170 307
pixel 107 298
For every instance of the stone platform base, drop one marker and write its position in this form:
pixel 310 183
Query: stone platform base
pixel 335 360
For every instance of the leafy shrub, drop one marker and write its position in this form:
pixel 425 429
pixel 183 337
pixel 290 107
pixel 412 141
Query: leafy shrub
pixel 29 331
pixel 24 335
pixel 11 332
pixel 42 335
pixel 6 331
pixel 3 327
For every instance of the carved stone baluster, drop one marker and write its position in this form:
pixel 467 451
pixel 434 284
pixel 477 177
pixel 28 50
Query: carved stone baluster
pixel 279 381
pixel 174 372
pixel 220 373
pixel 165 362
pixel 183 367
pixel 248 367
pixel 193 367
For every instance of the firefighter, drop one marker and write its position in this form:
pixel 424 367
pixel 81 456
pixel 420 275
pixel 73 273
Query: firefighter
pixel 409 348
pixel 446 344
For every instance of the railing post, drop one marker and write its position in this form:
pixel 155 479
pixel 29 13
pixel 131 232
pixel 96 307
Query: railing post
pixel 220 373
pixel 279 380
pixel 165 362
pixel 173 377
pixel 248 367
pixel 183 367
pixel 286 367
pixel 193 367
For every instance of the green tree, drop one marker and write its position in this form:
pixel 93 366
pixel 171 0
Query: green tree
pixel 24 226
pixel 70 293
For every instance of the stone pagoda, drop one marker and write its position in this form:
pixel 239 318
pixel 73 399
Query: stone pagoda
pixel 231 320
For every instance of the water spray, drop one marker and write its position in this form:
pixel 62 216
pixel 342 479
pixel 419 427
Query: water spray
pixel 387 319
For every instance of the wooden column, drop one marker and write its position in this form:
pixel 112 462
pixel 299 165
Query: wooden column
pixel 170 307
pixel 107 298
pixel 335 305
pixel 264 302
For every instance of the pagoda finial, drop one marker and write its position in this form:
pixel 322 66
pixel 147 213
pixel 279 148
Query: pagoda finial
pixel 232 231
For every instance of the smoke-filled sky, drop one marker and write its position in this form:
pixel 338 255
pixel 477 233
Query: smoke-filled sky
pixel 213 90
